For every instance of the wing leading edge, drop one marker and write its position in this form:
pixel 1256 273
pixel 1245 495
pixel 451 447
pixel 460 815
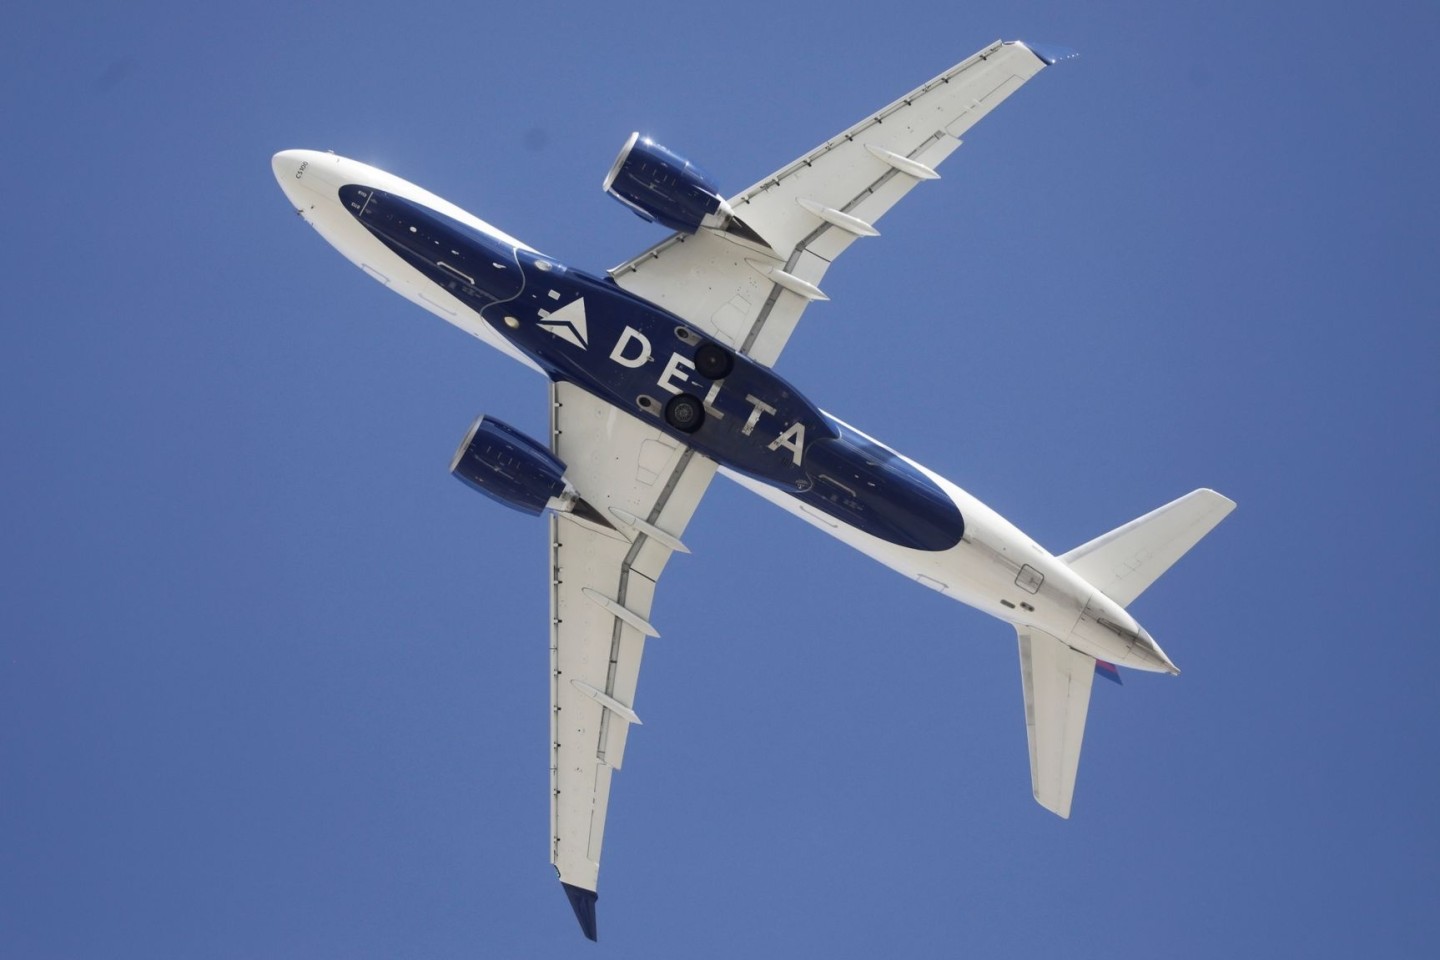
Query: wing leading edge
pixel 809 211
pixel 646 485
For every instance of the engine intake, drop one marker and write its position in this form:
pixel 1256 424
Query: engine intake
pixel 505 465
pixel 663 187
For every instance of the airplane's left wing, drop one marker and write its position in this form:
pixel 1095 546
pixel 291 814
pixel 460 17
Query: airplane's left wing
pixel 645 486
pixel 747 287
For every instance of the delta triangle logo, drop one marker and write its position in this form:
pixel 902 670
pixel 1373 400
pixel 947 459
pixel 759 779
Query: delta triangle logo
pixel 568 323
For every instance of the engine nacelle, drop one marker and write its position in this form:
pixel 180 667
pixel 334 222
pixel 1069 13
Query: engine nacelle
pixel 505 465
pixel 664 187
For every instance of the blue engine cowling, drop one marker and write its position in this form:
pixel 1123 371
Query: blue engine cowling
pixel 662 186
pixel 505 465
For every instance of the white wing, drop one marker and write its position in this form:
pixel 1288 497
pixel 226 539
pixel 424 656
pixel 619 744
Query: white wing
pixel 1057 680
pixel 602 584
pixel 750 295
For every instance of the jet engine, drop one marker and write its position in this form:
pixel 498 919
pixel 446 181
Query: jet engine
pixel 505 465
pixel 663 187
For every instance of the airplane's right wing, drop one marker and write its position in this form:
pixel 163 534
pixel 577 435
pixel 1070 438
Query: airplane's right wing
pixel 1057 681
pixel 643 487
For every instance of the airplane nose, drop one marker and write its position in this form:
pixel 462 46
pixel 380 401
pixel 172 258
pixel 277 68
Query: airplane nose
pixel 291 168
pixel 285 164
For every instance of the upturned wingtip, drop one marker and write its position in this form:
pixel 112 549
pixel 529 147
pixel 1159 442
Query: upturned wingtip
pixel 582 901
pixel 1050 53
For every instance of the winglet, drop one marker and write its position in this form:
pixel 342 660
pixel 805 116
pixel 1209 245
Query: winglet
pixel 1051 53
pixel 582 901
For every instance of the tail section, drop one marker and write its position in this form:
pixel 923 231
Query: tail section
pixel 1123 562
pixel 1056 679
pixel 1109 671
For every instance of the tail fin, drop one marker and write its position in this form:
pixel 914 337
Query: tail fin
pixel 1123 562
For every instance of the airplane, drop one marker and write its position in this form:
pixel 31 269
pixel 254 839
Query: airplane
pixel 661 374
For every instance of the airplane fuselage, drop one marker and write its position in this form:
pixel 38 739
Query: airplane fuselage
pixel 762 432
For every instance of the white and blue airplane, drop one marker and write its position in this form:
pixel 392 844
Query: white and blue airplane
pixel 662 373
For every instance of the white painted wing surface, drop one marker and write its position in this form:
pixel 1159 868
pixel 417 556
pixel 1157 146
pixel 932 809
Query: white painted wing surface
pixel 1057 680
pixel 602 585
pixel 751 296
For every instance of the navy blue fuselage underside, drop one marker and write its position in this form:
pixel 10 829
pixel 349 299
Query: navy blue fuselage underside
pixel 637 356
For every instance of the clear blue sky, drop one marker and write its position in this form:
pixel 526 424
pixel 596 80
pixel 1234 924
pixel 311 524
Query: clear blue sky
pixel 273 684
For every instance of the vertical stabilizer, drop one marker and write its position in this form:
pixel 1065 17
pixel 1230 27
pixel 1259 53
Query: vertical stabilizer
pixel 1123 562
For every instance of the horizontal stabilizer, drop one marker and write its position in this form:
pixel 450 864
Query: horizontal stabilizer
pixel 1123 562
pixel 1057 681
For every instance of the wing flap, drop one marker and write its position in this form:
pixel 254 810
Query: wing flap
pixel 1056 679
pixel 924 125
